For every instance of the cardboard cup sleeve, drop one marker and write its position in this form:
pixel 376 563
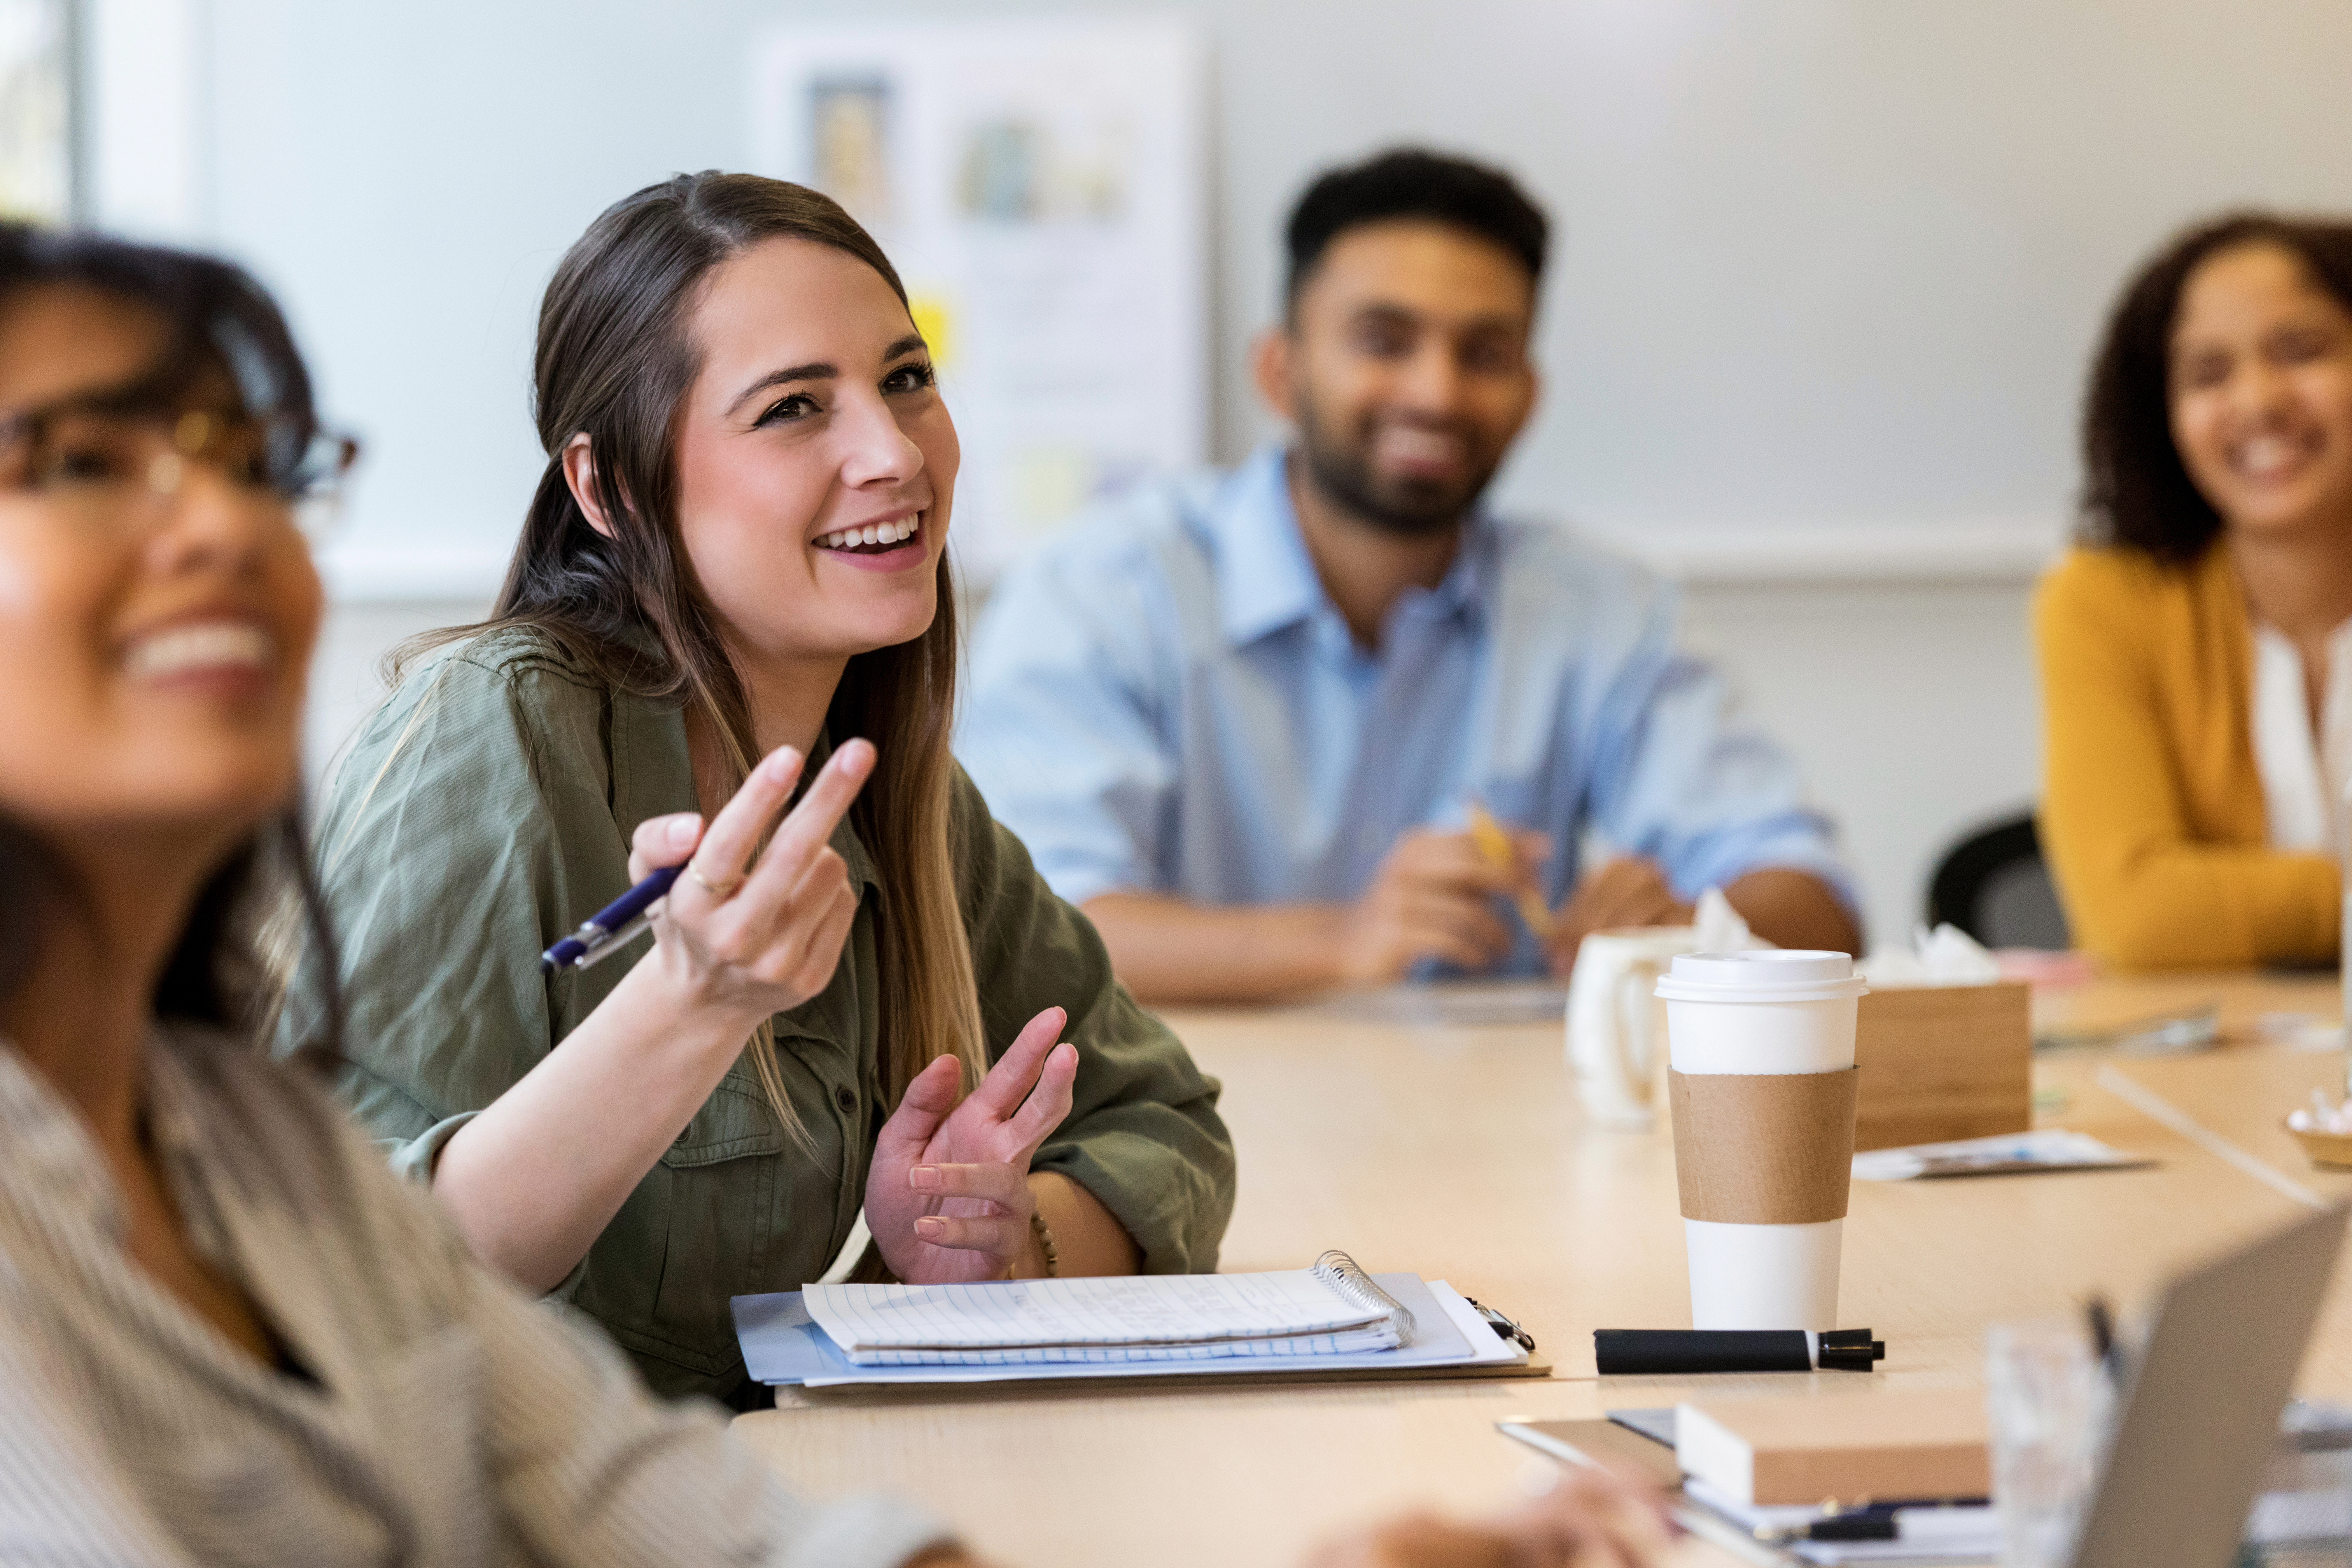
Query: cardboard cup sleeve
pixel 1763 1148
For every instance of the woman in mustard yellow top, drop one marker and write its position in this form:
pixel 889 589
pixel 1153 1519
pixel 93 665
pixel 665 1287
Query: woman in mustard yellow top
pixel 2197 651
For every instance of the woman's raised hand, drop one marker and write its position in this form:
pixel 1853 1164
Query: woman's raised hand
pixel 756 931
pixel 948 1195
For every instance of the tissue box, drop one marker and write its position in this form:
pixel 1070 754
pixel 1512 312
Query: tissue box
pixel 1942 1062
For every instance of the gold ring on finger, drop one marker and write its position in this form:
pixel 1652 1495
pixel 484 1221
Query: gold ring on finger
pixel 713 888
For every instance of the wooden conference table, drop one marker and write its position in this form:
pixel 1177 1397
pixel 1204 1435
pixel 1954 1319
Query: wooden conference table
pixel 1456 1151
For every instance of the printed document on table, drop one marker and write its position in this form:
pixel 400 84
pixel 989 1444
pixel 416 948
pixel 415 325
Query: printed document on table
pixel 2005 1154
pixel 1950 1532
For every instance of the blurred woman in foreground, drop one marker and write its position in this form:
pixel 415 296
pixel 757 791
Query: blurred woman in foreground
pixel 2197 651
pixel 228 1334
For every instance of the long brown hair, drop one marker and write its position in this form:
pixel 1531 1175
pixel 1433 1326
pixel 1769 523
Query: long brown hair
pixel 616 361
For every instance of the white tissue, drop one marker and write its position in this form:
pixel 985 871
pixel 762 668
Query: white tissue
pixel 1945 956
pixel 2321 1117
pixel 1718 928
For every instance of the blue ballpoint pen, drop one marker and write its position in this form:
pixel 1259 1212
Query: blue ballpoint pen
pixel 605 932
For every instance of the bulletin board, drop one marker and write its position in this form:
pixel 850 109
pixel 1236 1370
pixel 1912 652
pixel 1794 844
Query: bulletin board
pixel 1040 185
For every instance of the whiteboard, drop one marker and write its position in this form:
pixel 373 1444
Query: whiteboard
pixel 1828 268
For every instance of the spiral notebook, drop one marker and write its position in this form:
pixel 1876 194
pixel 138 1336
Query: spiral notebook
pixel 1332 1309
pixel 1332 1321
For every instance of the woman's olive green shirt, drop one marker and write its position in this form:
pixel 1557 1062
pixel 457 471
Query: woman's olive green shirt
pixel 485 811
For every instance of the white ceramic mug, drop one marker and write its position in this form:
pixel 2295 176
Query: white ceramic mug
pixel 1616 1025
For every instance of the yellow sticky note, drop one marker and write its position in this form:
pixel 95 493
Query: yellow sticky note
pixel 933 319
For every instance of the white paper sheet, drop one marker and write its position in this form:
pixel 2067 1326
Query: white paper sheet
pixel 1961 1532
pixel 2007 1153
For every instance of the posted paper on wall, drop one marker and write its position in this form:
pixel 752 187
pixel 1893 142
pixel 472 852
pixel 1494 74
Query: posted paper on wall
pixel 1039 184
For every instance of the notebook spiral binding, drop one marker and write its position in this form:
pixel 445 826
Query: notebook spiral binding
pixel 1342 1273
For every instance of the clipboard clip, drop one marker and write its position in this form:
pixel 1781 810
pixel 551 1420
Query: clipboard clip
pixel 1502 1325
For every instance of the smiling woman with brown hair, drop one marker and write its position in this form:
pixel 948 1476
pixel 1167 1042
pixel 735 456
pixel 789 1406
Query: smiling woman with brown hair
pixel 736 565
pixel 2197 653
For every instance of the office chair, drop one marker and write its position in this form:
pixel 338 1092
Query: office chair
pixel 1993 886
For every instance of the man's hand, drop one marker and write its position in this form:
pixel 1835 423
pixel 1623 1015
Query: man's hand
pixel 1627 891
pixel 1591 1519
pixel 1433 898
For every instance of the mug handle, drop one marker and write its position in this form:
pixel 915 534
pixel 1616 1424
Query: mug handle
pixel 1635 1006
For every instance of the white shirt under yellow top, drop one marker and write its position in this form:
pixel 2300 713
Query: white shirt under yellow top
pixel 2303 775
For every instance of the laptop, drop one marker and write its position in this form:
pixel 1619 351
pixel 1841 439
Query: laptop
pixel 2200 1414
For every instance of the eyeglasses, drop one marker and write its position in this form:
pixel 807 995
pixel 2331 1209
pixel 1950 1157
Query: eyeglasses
pixel 114 458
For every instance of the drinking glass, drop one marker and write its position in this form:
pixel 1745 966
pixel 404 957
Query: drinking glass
pixel 2050 1400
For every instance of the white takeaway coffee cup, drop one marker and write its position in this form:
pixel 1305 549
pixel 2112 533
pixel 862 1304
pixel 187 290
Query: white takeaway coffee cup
pixel 1763 1089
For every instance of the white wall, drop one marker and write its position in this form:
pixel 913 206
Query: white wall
pixel 1911 705
pixel 1826 264
pixel 1829 273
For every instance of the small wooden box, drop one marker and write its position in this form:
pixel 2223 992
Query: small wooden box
pixel 1942 1062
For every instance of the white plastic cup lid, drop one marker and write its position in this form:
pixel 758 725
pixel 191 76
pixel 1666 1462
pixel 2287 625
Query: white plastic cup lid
pixel 1768 974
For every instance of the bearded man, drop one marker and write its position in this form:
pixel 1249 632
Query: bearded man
pixel 1248 721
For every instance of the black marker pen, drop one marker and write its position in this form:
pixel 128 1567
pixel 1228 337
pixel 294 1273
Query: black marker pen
pixel 1632 1352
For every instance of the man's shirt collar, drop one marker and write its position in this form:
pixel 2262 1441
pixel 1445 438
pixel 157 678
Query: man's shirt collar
pixel 1266 579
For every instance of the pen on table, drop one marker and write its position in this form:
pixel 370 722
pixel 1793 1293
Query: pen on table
pixel 1647 1352
pixel 607 930
pixel 1504 855
pixel 2103 1337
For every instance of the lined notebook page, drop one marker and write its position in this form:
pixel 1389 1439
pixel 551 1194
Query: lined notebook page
pixel 1163 1316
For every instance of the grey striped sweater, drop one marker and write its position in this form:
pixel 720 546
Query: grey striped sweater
pixel 452 1422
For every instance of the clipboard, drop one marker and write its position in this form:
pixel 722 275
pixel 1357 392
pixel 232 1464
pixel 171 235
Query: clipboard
pixel 1168 1382
pixel 785 1348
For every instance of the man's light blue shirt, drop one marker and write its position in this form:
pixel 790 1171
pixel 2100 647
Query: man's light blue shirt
pixel 1165 701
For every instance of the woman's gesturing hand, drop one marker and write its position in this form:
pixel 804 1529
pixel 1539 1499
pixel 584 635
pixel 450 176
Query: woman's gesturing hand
pixel 756 938
pixel 948 1195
